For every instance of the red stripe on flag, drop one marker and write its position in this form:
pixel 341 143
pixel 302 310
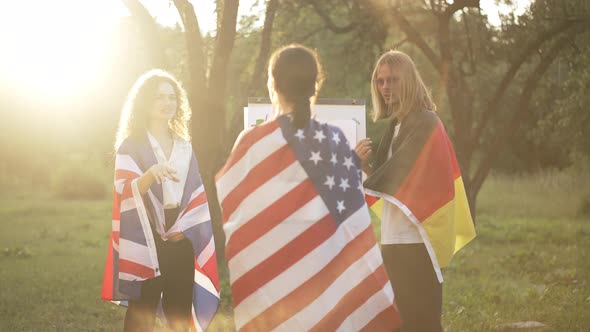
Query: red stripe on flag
pixel 127 191
pixel 245 143
pixel 210 270
pixel 270 217
pixel 260 174
pixel 426 188
pixel 371 200
pixel 121 174
pixel 282 259
pixel 107 292
pixel 199 200
pixel 387 320
pixel 132 268
pixel 116 205
pixel 372 284
pixel 302 296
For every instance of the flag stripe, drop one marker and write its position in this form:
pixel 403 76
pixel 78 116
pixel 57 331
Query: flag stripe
pixel 195 202
pixel 262 172
pixel 124 162
pixel 271 216
pixel 300 272
pixel 134 252
pixel 427 188
pixel 124 174
pixel 253 205
pixel 312 288
pixel 245 145
pixel 135 269
pixel 352 300
pixel 291 227
pixel 282 259
pixel 387 320
pixel 334 295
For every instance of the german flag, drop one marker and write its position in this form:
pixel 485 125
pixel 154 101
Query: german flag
pixel 422 177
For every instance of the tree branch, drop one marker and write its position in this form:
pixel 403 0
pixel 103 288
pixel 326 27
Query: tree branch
pixel 458 5
pixel 196 57
pixel 265 46
pixel 224 45
pixel 415 37
pixel 328 21
pixel 528 50
pixel 520 110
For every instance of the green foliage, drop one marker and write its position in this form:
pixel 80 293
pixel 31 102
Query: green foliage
pixel 81 177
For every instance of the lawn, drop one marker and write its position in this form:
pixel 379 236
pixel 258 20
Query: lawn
pixel 529 262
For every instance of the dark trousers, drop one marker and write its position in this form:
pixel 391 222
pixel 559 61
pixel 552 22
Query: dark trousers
pixel 174 286
pixel 418 294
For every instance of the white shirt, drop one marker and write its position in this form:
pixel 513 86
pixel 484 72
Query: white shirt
pixel 396 227
pixel 179 160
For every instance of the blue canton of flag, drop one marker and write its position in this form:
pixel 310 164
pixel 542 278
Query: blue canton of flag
pixel 330 163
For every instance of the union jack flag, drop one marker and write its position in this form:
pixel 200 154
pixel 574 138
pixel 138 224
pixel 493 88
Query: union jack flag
pixel 132 256
pixel 300 247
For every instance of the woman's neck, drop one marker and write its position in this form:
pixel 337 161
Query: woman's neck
pixel 160 129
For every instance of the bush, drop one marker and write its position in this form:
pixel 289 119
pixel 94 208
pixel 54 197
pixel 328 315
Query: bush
pixel 81 177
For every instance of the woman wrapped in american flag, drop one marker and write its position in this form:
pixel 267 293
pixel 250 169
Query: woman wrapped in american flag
pixel 300 248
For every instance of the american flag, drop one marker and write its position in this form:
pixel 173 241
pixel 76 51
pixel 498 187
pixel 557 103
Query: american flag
pixel 132 256
pixel 300 247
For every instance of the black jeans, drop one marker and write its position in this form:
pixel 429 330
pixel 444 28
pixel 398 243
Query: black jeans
pixel 418 294
pixel 174 286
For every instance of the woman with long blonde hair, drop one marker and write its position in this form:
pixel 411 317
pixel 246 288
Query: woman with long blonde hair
pixel 161 235
pixel 425 217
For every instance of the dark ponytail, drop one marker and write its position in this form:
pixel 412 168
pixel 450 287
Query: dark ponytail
pixel 298 76
pixel 302 112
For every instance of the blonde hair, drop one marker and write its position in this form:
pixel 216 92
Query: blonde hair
pixel 414 95
pixel 135 114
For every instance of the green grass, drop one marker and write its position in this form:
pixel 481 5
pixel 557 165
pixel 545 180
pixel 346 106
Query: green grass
pixel 529 262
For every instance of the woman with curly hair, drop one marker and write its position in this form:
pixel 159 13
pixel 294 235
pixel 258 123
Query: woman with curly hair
pixel 161 240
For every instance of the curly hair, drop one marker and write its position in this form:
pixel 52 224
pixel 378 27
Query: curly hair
pixel 135 113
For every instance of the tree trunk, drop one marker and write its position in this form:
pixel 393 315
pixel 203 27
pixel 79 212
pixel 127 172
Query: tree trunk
pixel 208 126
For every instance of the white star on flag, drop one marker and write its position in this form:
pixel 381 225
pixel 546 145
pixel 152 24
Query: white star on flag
pixel 330 181
pixel 300 134
pixel 340 206
pixel 334 160
pixel 348 162
pixel 336 138
pixel 344 184
pixel 315 157
pixel 319 135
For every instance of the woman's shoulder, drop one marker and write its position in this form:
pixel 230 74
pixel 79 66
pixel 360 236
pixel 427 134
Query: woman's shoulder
pixel 422 118
pixel 182 142
pixel 250 135
pixel 130 144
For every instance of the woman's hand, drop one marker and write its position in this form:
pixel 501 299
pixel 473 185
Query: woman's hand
pixel 363 150
pixel 162 173
pixel 175 237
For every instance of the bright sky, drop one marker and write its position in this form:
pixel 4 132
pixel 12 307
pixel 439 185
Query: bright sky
pixel 48 45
